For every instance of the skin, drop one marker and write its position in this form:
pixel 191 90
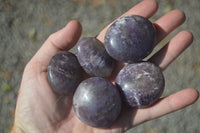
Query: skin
pixel 40 110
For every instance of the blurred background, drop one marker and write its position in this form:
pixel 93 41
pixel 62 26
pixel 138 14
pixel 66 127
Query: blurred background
pixel 26 24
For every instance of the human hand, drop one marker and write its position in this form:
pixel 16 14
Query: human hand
pixel 40 110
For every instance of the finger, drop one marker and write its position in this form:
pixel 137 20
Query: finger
pixel 168 23
pixel 63 39
pixel 145 8
pixel 167 105
pixel 172 50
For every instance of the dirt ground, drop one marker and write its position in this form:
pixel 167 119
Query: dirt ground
pixel 25 25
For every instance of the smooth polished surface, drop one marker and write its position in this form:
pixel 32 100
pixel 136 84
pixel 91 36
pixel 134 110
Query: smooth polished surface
pixel 64 72
pixel 93 57
pixel 130 38
pixel 141 84
pixel 97 102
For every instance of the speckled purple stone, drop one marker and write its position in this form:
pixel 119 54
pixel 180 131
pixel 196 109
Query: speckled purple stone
pixel 141 84
pixel 97 102
pixel 64 72
pixel 130 39
pixel 93 57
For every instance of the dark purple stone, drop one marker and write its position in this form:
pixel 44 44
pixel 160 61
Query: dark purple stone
pixel 97 102
pixel 130 39
pixel 141 84
pixel 93 57
pixel 64 72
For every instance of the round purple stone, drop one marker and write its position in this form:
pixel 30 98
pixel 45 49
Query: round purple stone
pixel 141 84
pixel 93 57
pixel 64 72
pixel 97 102
pixel 130 39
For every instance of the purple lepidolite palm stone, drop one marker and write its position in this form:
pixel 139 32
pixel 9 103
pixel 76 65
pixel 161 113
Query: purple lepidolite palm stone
pixel 93 57
pixel 141 84
pixel 97 102
pixel 64 72
pixel 130 38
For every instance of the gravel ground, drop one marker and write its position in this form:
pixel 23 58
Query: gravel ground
pixel 25 25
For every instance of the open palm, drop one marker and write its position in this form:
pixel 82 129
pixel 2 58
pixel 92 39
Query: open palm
pixel 40 110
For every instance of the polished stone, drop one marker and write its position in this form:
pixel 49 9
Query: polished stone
pixel 64 72
pixel 97 102
pixel 130 39
pixel 93 57
pixel 141 84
